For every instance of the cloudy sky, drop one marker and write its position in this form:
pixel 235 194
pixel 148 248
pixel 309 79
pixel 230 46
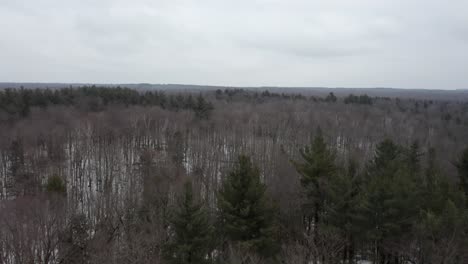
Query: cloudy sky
pixel 358 43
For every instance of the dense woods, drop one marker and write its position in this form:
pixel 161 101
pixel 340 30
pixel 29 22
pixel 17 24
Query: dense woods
pixel 117 175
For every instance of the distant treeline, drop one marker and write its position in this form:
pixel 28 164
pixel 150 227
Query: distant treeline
pixel 92 98
pixel 239 93
pixel 230 94
pixel 18 102
pixel 354 99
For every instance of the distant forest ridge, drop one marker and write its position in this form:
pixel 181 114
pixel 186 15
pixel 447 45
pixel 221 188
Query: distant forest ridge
pixel 457 95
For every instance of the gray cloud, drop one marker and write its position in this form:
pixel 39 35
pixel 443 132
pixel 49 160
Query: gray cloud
pixel 362 43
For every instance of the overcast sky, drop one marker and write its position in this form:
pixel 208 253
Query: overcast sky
pixel 358 43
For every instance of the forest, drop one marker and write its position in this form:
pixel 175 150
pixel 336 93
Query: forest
pixel 93 174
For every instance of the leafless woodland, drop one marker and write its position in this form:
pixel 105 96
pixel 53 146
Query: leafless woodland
pixel 117 161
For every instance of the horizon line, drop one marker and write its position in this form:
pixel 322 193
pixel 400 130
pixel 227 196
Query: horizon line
pixel 231 86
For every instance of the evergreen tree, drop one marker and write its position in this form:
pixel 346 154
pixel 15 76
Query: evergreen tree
pixel 413 155
pixel 389 203
pixel 331 98
pixel 55 184
pixel 202 108
pixel 436 188
pixel 246 217
pixel 316 170
pixel 342 207
pixel 440 226
pixel 462 166
pixel 443 234
pixel 192 233
pixel 189 102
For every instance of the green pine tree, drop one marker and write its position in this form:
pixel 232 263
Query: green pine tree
pixel 439 229
pixel 413 155
pixel 55 184
pixel 331 98
pixel 191 240
pixel 202 108
pixel 390 201
pixel 462 166
pixel 316 170
pixel 246 217
pixel 341 208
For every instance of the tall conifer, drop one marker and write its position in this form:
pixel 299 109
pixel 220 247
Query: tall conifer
pixel 246 216
pixel 192 234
